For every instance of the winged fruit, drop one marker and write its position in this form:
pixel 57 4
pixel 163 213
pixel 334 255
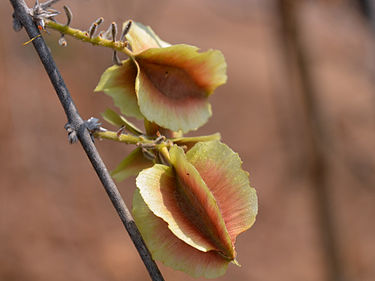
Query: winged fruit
pixel 191 212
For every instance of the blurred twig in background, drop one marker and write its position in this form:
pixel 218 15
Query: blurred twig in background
pixel 315 152
pixel 76 123
pixel 362 167
pixel 368 10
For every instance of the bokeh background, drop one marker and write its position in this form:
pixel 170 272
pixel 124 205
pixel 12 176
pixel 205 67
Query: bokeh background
pixel 299 108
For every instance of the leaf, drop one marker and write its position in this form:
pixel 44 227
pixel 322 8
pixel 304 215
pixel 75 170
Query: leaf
pixel 173 84
pixel 131 165
pixel 117 120
pixel 119 83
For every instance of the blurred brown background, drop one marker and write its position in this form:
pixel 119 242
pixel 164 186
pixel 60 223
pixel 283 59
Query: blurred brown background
pixel 299 108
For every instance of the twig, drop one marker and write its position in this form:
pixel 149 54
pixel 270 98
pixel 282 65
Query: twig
pixel 130 139
pixel 75 121
pixel 85 36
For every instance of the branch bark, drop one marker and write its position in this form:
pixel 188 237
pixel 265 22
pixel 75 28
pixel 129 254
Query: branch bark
pixel 76 122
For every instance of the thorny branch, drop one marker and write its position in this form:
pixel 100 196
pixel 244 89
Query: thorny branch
pixel 22 17
pixel 85 36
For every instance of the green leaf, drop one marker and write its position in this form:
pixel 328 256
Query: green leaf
pixel 117 120
pixel 131 165
pixel 119 83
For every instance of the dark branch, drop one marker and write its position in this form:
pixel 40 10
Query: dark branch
pixel 76 123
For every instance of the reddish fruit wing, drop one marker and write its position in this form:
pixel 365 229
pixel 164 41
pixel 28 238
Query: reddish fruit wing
pixel 221 170
pixel 167 248
pixel 199 205
pixel 185 114
pixel 206 69
pixel 157 187
pixel 173 84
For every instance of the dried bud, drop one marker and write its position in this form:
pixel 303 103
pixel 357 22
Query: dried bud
pixel 114 31
pixel 107 34
pixel 17 25
pixel 48 4
pixel 116 59
pixel 126 30
pixel 120 131
pixel 94 26
pixel 62 41
pixel 72 134
pixel 148 154
pixel 92 124
pixel 69 15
